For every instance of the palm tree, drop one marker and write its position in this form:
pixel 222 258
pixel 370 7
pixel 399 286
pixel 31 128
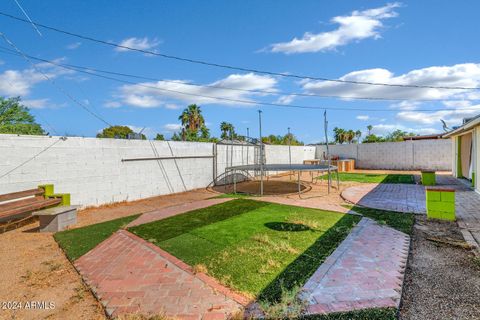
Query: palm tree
pixel 191 118
pixel 369 127
pixel 228 130
pixel 358 134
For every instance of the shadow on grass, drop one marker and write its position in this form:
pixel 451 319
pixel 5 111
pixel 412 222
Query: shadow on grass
pixel 286 226
pixel 398 220
pixel 301 269
pixel 372 177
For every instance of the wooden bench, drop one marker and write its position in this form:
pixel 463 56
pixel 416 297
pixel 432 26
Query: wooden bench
pixel 16 208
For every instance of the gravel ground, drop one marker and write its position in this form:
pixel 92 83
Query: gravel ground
pixel 442 281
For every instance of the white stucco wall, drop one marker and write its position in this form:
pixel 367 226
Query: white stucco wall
pixel 92 171
pixel 406 155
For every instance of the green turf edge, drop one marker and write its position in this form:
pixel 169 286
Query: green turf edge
pixel 373 178
pixel 398 220
pixel 365 314
pixel 76 242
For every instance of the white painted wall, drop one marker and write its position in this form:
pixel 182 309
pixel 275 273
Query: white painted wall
pixel 406 155
pixel 91 169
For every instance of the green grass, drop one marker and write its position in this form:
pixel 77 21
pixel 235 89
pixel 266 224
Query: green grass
pixel 366 314
pixel 398 220
pixel 77 242
pixel 373 178
pixel 255 247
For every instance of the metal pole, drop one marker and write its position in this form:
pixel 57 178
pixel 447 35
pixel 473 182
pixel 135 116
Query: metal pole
pixel 231 148
pixel 235 181
pixel 248 145
pixel 328 152
pixel 261 151
pixel 289 152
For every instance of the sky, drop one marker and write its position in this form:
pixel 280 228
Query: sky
pixel 409 43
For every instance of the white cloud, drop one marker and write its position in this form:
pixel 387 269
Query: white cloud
pixel 155 94
pixel 285 99
pixel 112 104
pixel 21 82
pixel 73 46
pixel 363 117
pixel 172 106
pixel 138 43
pixel 452 116
pixel 172 127
pixel 459 75
pixel 36 103
pixel 357 26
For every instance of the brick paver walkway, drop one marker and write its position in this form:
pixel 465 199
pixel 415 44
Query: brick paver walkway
pixel 385 196
pixel 174 210
pixel 365 271
pixel 131 275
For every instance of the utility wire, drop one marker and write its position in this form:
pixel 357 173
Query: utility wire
pixel 68 95
pixel 242 101
pixel 32 158
pixel 273 92
pixel 231 67
pixel 26 15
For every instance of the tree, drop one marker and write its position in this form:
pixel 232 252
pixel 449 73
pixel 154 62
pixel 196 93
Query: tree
pixel 398 135
pixel 369 128
pixel 192 119
pixel 339 135
pixel 371 138
pixel 118 132
pixel 358 134
pixel 15 118
pixel 159 137
pixel 228 130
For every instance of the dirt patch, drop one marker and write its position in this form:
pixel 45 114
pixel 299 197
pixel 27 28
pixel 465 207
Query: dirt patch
pixel 35 269
pixel 442 280
pixel 270 187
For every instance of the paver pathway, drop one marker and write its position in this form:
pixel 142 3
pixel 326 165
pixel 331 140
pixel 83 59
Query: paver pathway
pixel 365 271
pixel 174 210
pixel 131 275
pixel 388 196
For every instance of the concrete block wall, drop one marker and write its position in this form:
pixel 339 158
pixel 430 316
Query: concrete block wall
pixel 406 155
pixel 92 171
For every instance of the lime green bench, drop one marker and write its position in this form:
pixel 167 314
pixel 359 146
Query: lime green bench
pixel 440 203
pixel 428 178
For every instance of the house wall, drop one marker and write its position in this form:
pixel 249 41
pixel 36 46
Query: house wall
pixel 92 171
pixel 405 155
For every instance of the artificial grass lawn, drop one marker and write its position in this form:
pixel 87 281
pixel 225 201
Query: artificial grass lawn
pixel 77 242
pixel 373 178
pixel 255 247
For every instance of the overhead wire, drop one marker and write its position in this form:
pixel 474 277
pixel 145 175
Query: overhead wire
pixel 232 67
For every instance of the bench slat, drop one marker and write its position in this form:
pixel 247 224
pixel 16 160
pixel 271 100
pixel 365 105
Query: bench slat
pixel 19 203
pixel 21 194
pixel 30 207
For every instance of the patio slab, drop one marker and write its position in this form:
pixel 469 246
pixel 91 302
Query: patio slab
pixel 131 275
pixel 365 271
pixel 408 198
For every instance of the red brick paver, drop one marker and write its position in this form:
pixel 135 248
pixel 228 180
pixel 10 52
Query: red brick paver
pixel 395 197
pixel 130 275
pixel 365 271
pixel 174 210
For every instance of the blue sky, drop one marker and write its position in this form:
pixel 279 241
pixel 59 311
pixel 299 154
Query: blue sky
pixel 408 43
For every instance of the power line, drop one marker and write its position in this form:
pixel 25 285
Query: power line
pixel 68 95
pixel 273 92
pixel 26 15
pixel 84 70
pixel 231 67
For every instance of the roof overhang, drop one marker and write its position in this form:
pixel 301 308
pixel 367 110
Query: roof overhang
pixel 463 129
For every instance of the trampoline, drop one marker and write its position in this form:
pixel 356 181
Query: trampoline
pixel 296 168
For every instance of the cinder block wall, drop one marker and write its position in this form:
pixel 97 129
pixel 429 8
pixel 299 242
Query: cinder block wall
pixel 92 171
pixel 406 155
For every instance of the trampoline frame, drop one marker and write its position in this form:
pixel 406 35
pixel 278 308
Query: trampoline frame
pixel 298 168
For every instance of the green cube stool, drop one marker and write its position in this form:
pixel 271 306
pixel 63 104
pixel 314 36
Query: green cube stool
pixel 440 203
pixel 428 178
